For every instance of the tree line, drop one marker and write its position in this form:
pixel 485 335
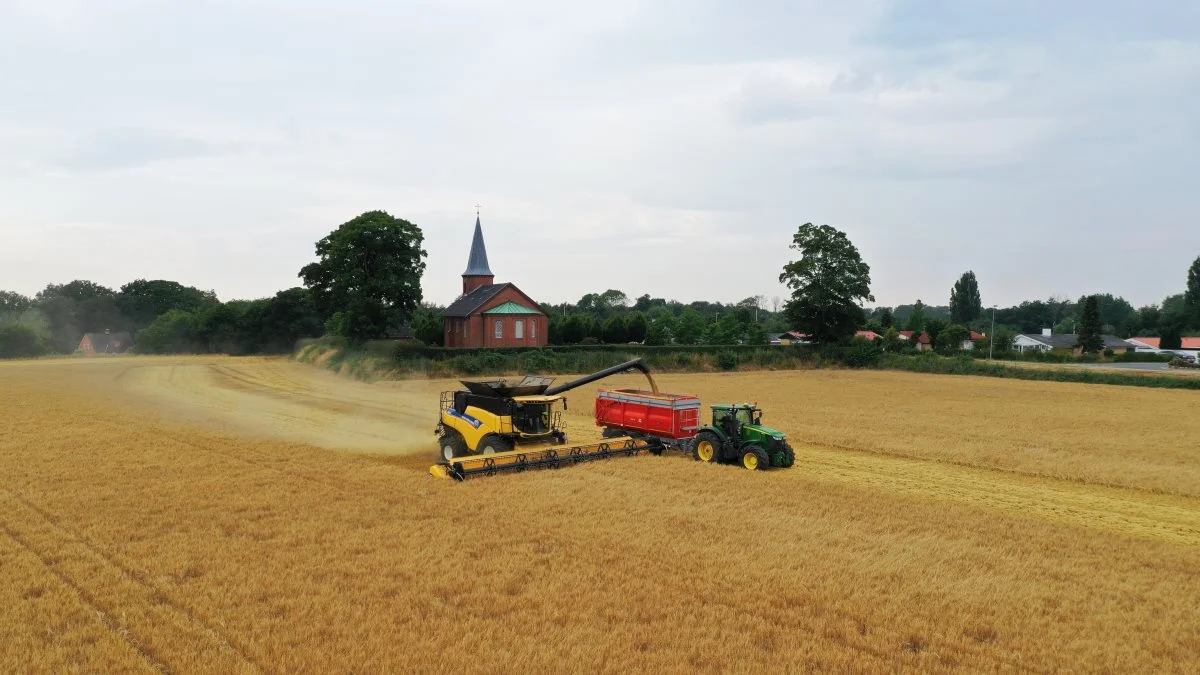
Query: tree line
pixel 366 284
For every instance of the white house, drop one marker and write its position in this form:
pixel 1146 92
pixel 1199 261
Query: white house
pixel 1047 341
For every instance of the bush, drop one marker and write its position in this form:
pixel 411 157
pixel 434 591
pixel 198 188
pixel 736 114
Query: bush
pixel 727 361
pixel 862 353
pixel 19 341
pixel 174 332
pixel 1108 353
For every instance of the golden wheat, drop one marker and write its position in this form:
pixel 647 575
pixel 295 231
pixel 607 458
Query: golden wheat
pixel 187 514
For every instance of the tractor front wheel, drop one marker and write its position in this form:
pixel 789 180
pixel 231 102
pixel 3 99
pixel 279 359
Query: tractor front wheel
pixel 707 447
pixel 452 445
pixel 789 455
pixel 491 444
pixel 755 458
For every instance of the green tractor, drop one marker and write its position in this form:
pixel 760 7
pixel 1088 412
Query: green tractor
pixel 737 435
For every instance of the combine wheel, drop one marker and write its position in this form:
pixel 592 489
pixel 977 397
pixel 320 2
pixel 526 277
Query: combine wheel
pixel 707 447
pixel 491 444
pixel 755 458
pixel 452 445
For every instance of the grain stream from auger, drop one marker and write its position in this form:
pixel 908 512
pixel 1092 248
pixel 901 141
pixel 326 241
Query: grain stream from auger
pixel 243 515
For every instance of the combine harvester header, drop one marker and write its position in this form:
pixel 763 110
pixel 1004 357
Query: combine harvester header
pixel 493 427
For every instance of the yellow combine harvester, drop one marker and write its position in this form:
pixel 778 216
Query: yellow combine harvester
pixel 493 426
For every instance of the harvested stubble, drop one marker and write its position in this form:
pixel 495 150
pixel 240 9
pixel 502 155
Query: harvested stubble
pixel 131 540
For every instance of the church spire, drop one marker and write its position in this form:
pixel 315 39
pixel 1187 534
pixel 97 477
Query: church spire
pixel 477 264
pixel 478 272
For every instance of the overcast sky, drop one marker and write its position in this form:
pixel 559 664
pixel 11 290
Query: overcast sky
pixel 665 147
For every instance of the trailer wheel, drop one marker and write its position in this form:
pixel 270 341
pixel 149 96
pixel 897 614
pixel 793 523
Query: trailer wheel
pixel 452 445
pixel 707 447
pixel 755 458
pixel 610 432
pixel 491 444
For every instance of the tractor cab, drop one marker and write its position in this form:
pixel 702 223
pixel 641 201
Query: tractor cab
pixel 738 435
pixel 733 417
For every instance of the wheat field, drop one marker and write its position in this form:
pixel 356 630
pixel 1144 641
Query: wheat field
pixel 256 515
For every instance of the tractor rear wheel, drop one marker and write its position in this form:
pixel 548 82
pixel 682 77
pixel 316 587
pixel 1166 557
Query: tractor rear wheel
pixel 755 458
pixel 451 445
pixel 491 444
pixel 707 447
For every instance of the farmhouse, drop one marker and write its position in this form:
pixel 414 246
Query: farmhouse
pixel 1048 340
pixel 105 343
pixel 488 314
pixel 924 343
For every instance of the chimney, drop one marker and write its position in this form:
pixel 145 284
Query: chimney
pixel 1045 332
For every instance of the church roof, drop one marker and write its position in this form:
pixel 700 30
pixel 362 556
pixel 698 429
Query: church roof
pixel 477 263
pixel 467 304
pixel 511 307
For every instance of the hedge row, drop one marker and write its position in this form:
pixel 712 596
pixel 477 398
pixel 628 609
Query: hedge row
pixel 389 359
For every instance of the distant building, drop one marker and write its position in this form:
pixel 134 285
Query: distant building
pixel 1148 343
pixel 107 342
pixel 922 341
pixel 1048 340
pixel 488 314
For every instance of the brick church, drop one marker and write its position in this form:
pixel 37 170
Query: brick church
pixel 488 314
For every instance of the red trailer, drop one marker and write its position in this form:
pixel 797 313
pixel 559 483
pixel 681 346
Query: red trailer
pixel 644 413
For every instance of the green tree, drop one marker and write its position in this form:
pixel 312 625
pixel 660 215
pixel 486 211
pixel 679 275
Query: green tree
pixel 658 333
pixel 427 326
pixel 19 341
pixel 75 308
pixel 1171 332
pixel 637 327
pixel 369 270
pixel 724 331
pixel 14 303
pixel 756 334
pixel 916 320
pixel 595 329
pixel 1003 340
pixel 690 329
pixel 143 301
pixel 934 327
pixel 1192 295
pixel 950 339
pixel 827 282
pixel 175 332
pixel 891 340
pixel 615 331
pixel 1089 338
pixel 219 329
pixel 886 320
pixel 965 303
pixel 573 330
